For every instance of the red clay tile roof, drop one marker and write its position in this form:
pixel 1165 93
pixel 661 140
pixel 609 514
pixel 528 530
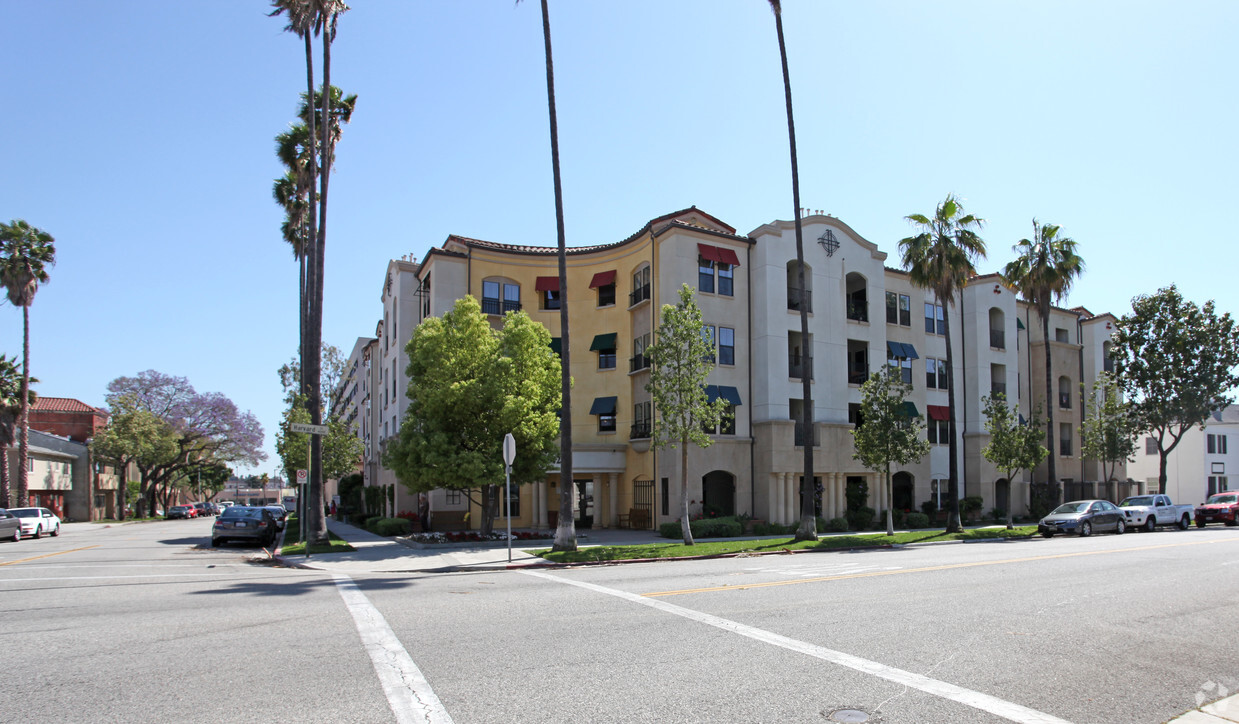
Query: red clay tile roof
pixel 64 404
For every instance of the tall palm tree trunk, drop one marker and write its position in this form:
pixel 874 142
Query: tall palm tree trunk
pixel 311 370
pixel 808 524
pixel 1051 471
pixel 952 518
pixel 565 531
pixel 5 501
pixel 23 450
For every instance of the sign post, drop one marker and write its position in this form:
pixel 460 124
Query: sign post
pixel 509 454
pixel 302 522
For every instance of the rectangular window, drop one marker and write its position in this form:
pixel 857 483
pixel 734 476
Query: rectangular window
pixel 511 298
pixel 639 359
pixel 665 497
pixel 1211 442
pixel 902 366
pixel 1221 444
pixel 1150 446
pixel 1060 334
pixel 892 308
pixel 454 497
pixel 935 319
pixel 707 334
pixel 606 359
pixel 606 295
pixel 705 275
pixel 606 422
pixel 726 346
pixel 938 431
pixel 905 310
pixel 725 279
pixel 641 422
pixel 550 299
pixel 1064 439
pixel 728 424
pixel 640 286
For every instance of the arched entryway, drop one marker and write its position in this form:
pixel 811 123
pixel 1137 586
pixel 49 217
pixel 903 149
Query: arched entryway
pixel 1002 495
pixel 902 487
pixel 718 493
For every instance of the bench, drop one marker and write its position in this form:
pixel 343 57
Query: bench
pixel 635 518
pixel 444 520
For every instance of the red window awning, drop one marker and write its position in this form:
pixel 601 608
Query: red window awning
pixel 718 254
pixel 602 279
pixel 939 412
pixel 547 284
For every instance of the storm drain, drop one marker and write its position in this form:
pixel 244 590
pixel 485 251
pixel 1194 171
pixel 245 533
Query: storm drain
pixel 849 716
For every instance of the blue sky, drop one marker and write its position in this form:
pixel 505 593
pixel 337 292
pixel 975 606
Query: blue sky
pixel 139 134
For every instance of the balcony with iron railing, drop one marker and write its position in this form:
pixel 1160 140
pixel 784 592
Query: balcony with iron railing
pixel 1064 400
pixel 858 376
pixel 797 364
pixel 794 296
pixel 997 339
pixel 638 362
pixel 639 431
pixel 639 295
pixel 496 306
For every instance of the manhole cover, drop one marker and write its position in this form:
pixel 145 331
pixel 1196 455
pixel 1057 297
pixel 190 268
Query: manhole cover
pixel 849 716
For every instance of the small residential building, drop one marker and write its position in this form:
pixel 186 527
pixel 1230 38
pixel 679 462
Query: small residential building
pixel 1200 465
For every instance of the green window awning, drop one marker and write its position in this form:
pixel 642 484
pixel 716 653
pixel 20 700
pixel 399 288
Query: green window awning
pixel 731 394
pixel 603 342
pixel 909 409
pixel 603 406
pixel 557 346
pixel 1019 323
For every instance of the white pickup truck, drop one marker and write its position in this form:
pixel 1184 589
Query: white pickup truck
pixel 1150 511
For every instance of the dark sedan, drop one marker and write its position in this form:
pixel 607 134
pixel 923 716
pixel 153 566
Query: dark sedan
pixel 1083 517
pixel 280 513
pixel 10 526
pixel 244 523
pixel 178 511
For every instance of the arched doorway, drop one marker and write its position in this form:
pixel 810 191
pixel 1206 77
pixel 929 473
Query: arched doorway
pixel 902 488
pixel 718 493
pixel 1002 495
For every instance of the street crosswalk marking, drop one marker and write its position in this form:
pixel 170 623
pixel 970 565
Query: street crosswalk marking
pixel 975 699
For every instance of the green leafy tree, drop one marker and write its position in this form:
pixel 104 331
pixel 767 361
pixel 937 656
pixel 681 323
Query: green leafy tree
pixel 333 373
pixel 680 360
pixel 10 413
pixel 1013 446
pixel 26 253
pixel 469 385
pixel 133 436
pixel 1176 363
pixel 342 449
pixel 1043 271
pixel 808 521
pixel 888 434
pixel 1108 434
pixel 940 258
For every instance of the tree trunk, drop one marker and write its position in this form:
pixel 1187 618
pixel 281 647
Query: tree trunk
pixel 565 532
pixel 5 501
pixel 317 523
pixel 489 498
pixel 1052 468
pixel 808 524
pixel 1161 470
pixel 890 496
pixel 952 518
pixel 685 527
pixel 23 450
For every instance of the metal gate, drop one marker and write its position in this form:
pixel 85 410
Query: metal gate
pixel 643 498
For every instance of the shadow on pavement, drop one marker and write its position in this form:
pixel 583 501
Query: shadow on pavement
pixel 301 586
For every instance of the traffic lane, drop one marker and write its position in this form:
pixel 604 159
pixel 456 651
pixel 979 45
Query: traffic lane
pixel 233 643
pixel 1076 625
pixel 496 646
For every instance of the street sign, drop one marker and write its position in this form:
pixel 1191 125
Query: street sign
pixel 301 476
pixel 305 427
pixel 509 449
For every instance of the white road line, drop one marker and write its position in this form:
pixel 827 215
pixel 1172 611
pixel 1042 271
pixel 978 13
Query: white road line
pixel 6 579
pixel 408 693
pixel 975 699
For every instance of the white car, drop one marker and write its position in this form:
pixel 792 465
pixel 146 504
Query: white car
pixel 37 521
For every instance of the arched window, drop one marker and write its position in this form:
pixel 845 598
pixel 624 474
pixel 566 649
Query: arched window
pixel 997 328
pixel 500 296
pixel 1064 393
pixel 857 297
pixel 795 294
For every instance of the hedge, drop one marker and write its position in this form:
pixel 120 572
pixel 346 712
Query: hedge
pixel 391 526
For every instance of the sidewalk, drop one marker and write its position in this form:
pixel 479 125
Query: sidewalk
pixel 1219 712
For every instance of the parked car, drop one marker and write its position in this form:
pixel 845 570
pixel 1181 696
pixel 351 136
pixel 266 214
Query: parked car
pixel 1220 507
pixel 10 526
pixel 179 511
pixel 1083 517
pixel 280 513
pixel 37 521
pixel 203 509
pixel 1150 511
pixel 243 522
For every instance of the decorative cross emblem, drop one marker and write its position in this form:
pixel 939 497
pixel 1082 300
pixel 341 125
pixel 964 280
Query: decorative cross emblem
pixel 829 242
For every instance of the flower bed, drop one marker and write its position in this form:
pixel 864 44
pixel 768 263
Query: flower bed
pixel 473 536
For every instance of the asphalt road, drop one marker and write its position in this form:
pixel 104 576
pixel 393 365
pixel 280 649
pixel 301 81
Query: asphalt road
pixel 142 623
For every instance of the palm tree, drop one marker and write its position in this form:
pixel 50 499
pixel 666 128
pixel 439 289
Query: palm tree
pixel 10 411
pixel 306 17
pixel 808 520
pixel 940 258
pixel 1043 271
pixel 565 532
pixel 26 253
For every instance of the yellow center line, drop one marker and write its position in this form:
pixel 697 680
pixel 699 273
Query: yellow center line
pixel 47 555
pixel 926 569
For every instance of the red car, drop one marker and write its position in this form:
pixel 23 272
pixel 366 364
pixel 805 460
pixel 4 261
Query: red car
pixel 1219 508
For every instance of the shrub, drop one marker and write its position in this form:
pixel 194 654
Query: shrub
pixel 771 529
pixel 371 522
pixel 358 519
pixel 916 520
pixel 838 525
pixel 930 508
pixel 670 530
pixel 998 514
pixel 861 518
pixel 393 526
pixel 971 504
pixel 716 528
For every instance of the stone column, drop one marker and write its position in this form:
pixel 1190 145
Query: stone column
pixel 776 498
pixel 612 498
pixel 792 508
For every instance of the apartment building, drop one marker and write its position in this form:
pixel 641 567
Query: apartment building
pixel 1202 464
pixel 864 314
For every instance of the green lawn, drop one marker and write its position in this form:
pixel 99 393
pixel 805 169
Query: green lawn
pixel 717 547
pixel 294 547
